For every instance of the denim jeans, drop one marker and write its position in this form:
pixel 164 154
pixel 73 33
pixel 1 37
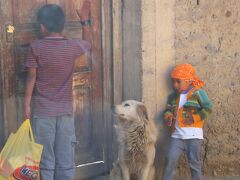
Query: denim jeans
pixel 57 135
pixel 192 148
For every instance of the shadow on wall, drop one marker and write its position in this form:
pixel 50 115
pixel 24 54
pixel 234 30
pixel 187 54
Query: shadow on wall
pixel 164 132
pixel 161 145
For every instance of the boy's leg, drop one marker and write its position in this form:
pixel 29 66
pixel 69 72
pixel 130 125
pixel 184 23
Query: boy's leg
pixel 193 148
pixel 64 148
pixel 44 131
pixel 176 148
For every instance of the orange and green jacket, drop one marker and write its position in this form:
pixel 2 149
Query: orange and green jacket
pixel 197 103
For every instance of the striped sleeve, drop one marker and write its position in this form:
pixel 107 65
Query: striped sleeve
pixel 171 106
pixel 205 103
pixel 31 60
pixel 81 47
pixel 85 46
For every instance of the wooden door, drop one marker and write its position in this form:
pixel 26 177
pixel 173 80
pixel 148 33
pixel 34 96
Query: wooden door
pixel 19 29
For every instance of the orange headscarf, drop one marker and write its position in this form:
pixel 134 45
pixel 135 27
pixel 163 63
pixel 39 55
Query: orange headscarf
pixel 187 72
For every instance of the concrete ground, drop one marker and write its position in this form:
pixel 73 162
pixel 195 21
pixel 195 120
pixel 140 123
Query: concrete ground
pixel 215 178
pixel 204 178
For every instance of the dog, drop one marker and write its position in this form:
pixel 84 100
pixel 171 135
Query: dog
pixel 136 135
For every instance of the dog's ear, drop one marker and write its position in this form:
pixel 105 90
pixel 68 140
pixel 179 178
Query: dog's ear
pixel 142 111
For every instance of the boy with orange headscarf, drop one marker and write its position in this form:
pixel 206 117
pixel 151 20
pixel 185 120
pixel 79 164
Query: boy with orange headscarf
pixel 187 108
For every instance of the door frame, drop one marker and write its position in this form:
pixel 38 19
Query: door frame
pixel 107 72
pixel 8 72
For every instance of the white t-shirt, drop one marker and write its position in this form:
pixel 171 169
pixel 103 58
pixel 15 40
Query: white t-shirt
pixel 186 132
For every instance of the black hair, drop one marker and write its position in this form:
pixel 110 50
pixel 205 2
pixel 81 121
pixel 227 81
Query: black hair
pixel 52 17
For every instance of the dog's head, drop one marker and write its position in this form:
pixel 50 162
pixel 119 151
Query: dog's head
pixel 131 110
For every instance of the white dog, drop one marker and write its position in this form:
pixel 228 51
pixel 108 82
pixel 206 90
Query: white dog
pixel 137 136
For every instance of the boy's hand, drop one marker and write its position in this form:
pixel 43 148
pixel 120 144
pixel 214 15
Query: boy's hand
pixel 169 119
pixel 84 12
pixel 27 112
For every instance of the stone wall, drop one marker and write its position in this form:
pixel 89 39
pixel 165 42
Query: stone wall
pixel 205 33
pixel 208 36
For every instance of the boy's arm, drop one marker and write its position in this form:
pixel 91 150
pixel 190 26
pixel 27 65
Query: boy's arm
pixel 169 112
pixel 85 17
pixel 171 104
pixel 30 82
pixel 205 103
